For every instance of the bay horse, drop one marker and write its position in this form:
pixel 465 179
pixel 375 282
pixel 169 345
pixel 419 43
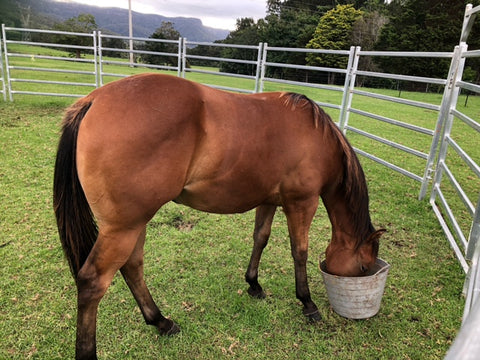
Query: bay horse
pixel 135 144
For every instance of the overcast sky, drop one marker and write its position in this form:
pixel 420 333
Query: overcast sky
pixel 220 14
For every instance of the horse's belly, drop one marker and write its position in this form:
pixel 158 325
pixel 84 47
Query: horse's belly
pixel 225 199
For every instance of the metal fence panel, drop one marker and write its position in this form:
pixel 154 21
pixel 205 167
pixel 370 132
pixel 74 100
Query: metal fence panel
pixel 465 242
pixel 254 61
pixel 20 63
pixel 157 60
pixel 426 154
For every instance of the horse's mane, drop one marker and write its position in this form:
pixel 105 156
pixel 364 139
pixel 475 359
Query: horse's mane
pixel 353 184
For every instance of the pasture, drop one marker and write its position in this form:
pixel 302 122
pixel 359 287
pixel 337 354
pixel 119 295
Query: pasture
pixel 195 264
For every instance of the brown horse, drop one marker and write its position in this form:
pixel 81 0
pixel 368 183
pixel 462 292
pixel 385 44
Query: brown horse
pixel 135 144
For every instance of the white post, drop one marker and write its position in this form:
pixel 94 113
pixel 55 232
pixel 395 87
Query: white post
pixel 130 31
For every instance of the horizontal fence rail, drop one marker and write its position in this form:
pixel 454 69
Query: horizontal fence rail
pixel 161 54
pixel 464 241
pixel 254 62
pixel 27 66
pixel 430 141
pixel 427 154
pixel 453 201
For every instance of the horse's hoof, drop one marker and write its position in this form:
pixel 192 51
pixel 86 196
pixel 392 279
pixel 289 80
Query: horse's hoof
pixel 257 294
pixel 314 317
pixel 172 330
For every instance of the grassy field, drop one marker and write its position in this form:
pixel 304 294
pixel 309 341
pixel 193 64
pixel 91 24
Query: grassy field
pixel 195 264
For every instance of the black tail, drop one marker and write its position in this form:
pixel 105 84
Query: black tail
pixel 75 221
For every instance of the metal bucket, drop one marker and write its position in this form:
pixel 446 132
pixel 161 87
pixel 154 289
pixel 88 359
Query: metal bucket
pixel 356 297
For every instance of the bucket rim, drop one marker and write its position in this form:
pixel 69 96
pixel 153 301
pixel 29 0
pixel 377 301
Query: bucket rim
pixel 384 266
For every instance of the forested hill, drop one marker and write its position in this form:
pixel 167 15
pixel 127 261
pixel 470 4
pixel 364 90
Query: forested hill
pixel 44 13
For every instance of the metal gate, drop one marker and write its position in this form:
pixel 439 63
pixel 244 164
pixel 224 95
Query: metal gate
pixel 464 239
pixel 35 63
pixel 109 66
pixel 465 242
pixel 423 156
pixel 254 62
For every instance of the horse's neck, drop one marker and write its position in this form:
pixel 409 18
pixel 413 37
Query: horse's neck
pixel 340 215
pixel 351 224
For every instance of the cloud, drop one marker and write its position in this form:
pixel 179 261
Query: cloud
pixel 216 13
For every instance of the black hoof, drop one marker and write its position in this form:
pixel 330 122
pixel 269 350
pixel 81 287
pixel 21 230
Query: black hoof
pixel 169 330
pixel 173 330
pixel 313 317
pixel 257 294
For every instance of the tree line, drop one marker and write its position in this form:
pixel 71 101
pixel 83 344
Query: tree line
pixel 396 25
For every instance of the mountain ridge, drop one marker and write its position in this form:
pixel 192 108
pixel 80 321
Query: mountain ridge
pixel 115 19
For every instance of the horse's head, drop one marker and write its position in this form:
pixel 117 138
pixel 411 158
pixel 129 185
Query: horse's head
pixel 345 259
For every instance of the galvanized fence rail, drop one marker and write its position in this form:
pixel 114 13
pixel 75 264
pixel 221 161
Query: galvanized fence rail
pixel 425 154
pixel 349 54
pixel 139 49
pixel 349 90
pixel 466 244
pixel 17 74
pixel 254 62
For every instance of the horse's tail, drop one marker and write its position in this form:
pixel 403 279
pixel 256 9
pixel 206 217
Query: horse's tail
pixel 75 221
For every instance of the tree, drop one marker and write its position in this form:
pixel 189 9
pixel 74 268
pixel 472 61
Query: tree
pixel 165 32
pixel 246 33
pixel 83 23
pixel 422 25
pixel 365 33
pixel 334 32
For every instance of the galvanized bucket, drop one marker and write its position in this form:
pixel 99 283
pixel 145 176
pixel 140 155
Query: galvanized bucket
pixel 356 297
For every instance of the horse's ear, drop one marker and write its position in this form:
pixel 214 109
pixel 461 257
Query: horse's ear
pixel 375 236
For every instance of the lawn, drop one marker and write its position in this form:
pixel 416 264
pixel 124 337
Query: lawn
pixel 195 264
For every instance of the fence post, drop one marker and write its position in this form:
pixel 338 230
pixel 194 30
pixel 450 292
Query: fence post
pixel 184 57
pixel 348 88
pixel 180 52
pixel 263 66
pixel 258 71
pixel 2 74
pixel 468 21
pixel 7 67
pixel 100 60
pixel 443 114
pixel 96 48
pixel 445 121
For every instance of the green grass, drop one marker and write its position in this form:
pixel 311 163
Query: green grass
pixel 195 263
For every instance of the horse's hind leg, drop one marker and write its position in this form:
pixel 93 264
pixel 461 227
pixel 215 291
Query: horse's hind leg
pixel 111 251
pixel 132 271
pixel 263 225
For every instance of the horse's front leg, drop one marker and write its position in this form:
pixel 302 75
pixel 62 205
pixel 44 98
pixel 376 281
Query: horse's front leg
pixel 263 225
pixel 299 218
